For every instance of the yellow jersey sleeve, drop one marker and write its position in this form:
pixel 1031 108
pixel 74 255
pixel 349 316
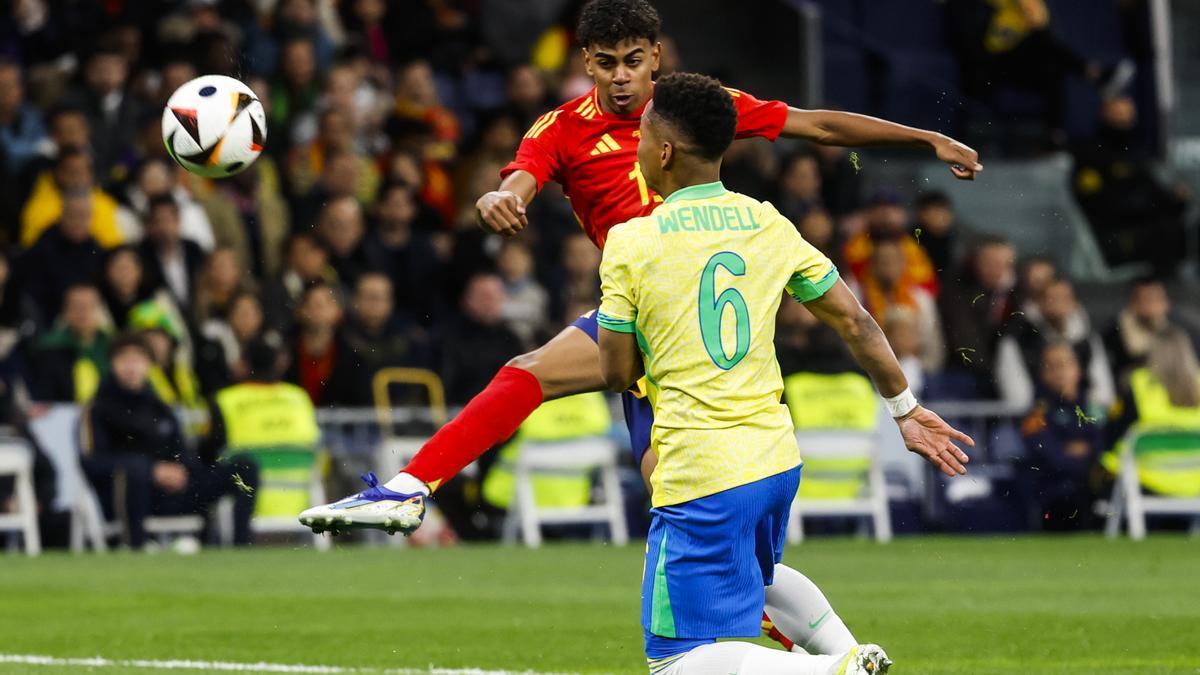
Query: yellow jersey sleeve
pixel 618 304
pixel 814 273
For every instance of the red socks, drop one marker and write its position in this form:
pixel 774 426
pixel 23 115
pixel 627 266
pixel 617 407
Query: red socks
pixel 491 417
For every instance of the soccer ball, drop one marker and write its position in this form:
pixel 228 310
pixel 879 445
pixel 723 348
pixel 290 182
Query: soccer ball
pixel 214 126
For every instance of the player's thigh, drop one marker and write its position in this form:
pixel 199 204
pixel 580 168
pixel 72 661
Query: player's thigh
pixel 567 364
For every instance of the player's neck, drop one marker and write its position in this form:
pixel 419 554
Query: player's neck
pixel 682 178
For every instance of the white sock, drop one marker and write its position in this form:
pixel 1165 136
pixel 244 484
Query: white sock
pixel 406 483
pixel 800 611
pixel 744 658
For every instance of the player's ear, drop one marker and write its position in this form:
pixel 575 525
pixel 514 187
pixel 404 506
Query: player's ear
pixel 587 61
pixel 666 155
pixel 655 53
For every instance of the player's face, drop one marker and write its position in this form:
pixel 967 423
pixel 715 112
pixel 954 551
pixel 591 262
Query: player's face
pixel 623 73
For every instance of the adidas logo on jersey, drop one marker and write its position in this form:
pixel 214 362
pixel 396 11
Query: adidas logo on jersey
pixel 605 144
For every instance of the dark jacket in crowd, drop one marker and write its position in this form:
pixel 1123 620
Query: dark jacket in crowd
pixel 1062 444
pixel 193 262
pixel 346 383
pixel 416 274
pixel 124 422
pixel 54 264
pixel 471 355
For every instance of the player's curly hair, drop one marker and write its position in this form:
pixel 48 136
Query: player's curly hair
pixel 700 108
pixel 610 22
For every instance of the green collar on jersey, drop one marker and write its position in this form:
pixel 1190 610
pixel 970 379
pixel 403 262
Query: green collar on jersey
pixel 701 191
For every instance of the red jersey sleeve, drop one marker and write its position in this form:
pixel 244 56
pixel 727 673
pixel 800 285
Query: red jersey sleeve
pixel 539 150
pixel 758 118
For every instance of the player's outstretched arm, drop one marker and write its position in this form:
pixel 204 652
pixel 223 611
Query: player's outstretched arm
pixel 831 127
pixel 502 211
pixel 923 431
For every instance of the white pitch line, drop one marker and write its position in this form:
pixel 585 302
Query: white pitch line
pixel 230 666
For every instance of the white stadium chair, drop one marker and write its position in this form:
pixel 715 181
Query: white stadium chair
pixel 572 455
pixel 849 459
pixel 1153 450
pixel 16 460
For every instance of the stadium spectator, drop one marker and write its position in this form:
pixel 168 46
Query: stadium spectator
pixel 315 169
pixel 64 255
pixel 19 317
pixel 580 272
pixel 172 376
pixel 294 92
pixel 804 344
pixel 261 421
pixel 406 254
pixel 1164 393
pixel 322 362
pixel 365 20
pixel 417 99
pixel 902 327
pixel 69 129
pixel 249 215
pixel 799 186
pixel 340 179
pixel 974 312
pixel 817 228
pixel 171 262
pixel 885 217
pixel 72 172
pixel 525 310
pixel 1057 317
pixel 885 287
pixel 157 177
pixel 1010 43
pixel 291 20
pixel 1034 275
pixel 22 134
pixel 70 358
pixel 750 167
pixel 474 341
pixel 341 231
pixel 347 92
pixel 376 334
pixel 307 264
pixel 222 281
pixel 130 431
pixel 21 128
pixel 1136 216
pixel 1146 313
pixel 123 285
pixel 1062 442
pixel 111 111
pixel 527 98
pixel 936 229
pixel 224 340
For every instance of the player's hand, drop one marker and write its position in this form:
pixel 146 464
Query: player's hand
pixel 963 161
pixel 929 436
pixel 501 212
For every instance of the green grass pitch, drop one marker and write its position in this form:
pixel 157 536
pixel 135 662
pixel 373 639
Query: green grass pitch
pixel 938 605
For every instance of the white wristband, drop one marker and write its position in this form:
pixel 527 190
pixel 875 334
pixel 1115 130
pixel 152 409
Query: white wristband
pixel 901 404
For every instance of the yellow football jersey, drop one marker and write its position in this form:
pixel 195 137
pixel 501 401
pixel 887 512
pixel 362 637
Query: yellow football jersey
pixel 699 281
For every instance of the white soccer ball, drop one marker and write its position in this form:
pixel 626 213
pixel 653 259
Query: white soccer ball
pixel 214 126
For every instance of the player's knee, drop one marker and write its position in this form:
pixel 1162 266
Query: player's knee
pixel 530 362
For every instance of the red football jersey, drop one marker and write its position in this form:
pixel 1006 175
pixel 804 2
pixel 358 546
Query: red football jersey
pixel 593 155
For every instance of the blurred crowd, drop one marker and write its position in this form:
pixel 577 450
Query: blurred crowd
pixel 350 245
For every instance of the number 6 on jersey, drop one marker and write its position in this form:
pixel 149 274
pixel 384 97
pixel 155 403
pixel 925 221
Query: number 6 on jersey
pixel 712 310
